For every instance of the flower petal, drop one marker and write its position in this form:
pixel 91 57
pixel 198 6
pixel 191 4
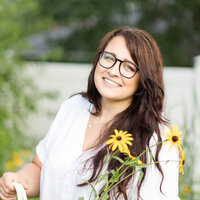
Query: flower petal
pixel 110 141
pixel 114 146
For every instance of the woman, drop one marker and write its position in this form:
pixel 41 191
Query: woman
pixel 125 92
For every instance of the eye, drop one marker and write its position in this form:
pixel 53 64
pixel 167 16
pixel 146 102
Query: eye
pixel 130 68
pixel 108 57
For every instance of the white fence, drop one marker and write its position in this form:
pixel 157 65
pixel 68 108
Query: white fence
pixel 182 84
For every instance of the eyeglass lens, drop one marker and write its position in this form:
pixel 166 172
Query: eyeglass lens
pixel 127 69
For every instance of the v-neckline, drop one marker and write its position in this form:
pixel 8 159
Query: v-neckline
pixel 85 128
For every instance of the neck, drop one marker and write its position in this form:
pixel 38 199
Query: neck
pixel 111 108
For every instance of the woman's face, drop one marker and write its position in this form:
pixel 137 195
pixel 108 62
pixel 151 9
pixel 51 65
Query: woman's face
pixel 109 82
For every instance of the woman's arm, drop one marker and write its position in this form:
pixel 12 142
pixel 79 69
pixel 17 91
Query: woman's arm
pixel 169 161
pixel 28 176
pixel 31 173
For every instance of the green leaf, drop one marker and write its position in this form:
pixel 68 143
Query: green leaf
pixel 105 196
pixel 151 156
pixel 115 176
pixel 143 165
pixel 95 192
pixel 131 162
pixel 103 177
pixel 140 177
pixel 119 159
pixel 107 156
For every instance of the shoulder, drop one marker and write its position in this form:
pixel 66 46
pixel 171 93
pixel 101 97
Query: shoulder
pixel 76 102
pixel 154 139
pixel 77 99
pixel 163 129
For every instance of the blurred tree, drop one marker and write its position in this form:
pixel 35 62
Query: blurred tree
pixel 174 23
pixel 18 94
pixel 94 18
pixel 176 26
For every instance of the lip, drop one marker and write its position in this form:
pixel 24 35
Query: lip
pixel 110 84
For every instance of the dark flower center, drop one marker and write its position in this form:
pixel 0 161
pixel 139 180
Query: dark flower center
pixel 119 138
pixel 175 138
pixel 183 162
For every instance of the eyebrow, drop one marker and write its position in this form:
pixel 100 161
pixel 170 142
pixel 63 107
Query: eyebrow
pixel 120 59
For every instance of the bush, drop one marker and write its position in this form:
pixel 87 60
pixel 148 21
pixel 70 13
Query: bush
pixel 18 93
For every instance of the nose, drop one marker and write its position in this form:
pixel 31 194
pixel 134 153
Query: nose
pixel 114 70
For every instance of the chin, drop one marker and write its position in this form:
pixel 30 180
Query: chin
pixel 113 97
pixel 110 97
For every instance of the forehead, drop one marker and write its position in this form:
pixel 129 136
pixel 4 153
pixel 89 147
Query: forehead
pixel 118 47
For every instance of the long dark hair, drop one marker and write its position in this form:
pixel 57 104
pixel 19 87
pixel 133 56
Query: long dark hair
pixel 144 115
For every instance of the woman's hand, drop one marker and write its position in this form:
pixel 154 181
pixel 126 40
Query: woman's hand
pixel 28 177
pixel 7 190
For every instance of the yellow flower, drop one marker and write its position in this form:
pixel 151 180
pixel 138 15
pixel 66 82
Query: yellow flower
pixel 15 155
pixel 25 153
pixel 18 161
pixel 127 151
pixel 9 165
pixel 132 157
pixel 16 158
pixel 173 136
pixel 182 162
pixel 121 140
pixel 139 162
pixel 187 190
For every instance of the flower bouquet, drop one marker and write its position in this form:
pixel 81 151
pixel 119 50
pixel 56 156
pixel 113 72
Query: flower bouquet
pixel 120 142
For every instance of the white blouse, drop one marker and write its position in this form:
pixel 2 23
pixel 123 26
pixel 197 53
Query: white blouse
pixel 63 160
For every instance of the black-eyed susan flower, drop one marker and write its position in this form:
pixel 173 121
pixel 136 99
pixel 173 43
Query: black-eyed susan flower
pixel 182 162
pixel 174 137
pixel 125 151
pixel 121 140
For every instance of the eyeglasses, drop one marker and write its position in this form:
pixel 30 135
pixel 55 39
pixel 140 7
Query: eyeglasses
pixel 126 69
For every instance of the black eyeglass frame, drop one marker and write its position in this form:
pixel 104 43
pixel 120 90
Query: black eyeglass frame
pixel 121 61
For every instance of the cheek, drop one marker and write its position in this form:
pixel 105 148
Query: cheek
pixel 99 71
pixel 133 84
pixel 97 74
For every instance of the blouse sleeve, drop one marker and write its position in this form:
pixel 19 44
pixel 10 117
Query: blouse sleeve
pixel 169 161
pixel 45 144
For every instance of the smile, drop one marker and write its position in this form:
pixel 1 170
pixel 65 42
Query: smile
pixel 111 82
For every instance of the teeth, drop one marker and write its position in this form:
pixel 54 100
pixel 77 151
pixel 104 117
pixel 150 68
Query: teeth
pixel 111 82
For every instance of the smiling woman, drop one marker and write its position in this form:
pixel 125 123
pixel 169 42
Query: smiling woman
pixel 120 80
pixel 125 93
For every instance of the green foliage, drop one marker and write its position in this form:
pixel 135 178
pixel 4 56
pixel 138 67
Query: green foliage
pixel 93 19
pixel 174 24
pixel 78 11
pixel 18 94
pixel 189 183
